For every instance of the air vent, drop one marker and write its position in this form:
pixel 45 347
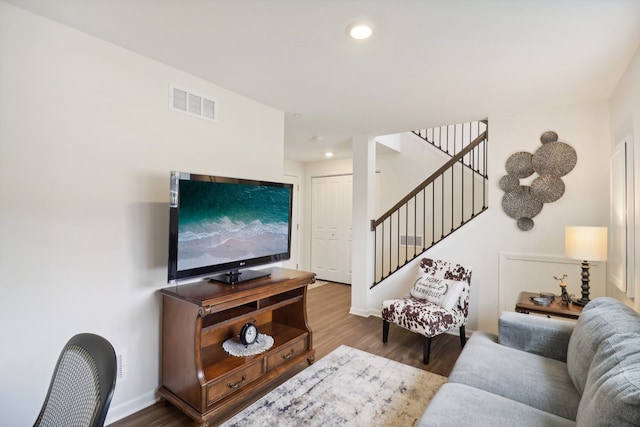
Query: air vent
pixel 411 240
pixel 191 103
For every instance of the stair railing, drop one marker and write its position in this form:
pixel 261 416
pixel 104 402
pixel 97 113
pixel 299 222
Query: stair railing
pixel 452 196
pixel 451 139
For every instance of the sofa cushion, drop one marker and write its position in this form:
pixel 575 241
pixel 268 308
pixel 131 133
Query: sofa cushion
pixel 533 380
pixel 458 405
pixel 600 319
pixel 534 334
pixel 612 391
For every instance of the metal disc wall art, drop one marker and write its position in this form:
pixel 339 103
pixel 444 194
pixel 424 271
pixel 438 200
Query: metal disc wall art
pixel 547 188
pixel 555 158
pixel 521 204
pixel 549 136
pixel 520 164
pixel 509 183
pixel 551 161
pixel 525 224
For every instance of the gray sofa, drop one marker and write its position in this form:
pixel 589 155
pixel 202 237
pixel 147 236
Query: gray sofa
pixel 547 372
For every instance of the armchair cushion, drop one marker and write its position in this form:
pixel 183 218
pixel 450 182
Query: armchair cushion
pixel 450 271
pixel 443 292
pixel 422 317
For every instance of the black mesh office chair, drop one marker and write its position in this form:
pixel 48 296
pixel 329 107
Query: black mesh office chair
pixel 82 385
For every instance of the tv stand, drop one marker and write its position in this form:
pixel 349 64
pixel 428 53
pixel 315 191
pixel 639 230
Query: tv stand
pixel 198 376
pixel 238 276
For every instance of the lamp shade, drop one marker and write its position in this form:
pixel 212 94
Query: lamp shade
pixel 586 243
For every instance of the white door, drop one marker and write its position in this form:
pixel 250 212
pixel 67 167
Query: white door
pixel 292 263
pixel 331 227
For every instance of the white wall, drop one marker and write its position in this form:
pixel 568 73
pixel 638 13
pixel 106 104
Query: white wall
pixel 625 121
pixel 401 172
pixel 479 244
pixel 86 146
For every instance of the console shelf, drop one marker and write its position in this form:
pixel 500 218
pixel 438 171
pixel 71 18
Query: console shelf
pixel 203 380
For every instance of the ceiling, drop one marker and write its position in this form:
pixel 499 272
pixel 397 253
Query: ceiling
pixel 429 62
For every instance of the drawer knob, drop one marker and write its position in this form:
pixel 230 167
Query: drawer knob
pixel 238 384
pixel 288 356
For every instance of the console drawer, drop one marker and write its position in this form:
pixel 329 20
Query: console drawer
pixel 234 381
pixel 287 352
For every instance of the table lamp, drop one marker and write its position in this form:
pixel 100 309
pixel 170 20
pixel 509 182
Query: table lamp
pixel 585 244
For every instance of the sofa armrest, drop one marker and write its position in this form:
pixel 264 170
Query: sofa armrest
pixel 538 335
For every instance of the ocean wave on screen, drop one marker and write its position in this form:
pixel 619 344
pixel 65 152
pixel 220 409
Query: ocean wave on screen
pixel 218 232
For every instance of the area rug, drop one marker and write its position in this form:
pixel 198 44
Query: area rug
pixel 348 387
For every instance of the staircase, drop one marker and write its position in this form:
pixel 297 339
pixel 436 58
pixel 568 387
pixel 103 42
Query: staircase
pixel 448 199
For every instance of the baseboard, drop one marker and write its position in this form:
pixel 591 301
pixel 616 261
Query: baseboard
pixel 317 284
pixel 130 407
pixel 376 312
pixel 359 311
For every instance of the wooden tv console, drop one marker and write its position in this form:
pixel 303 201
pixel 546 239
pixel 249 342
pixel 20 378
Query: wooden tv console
pixel 198 376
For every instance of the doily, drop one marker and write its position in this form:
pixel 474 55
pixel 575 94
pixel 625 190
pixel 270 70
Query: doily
pixel 234 347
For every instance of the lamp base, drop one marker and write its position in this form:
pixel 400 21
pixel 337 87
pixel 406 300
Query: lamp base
pixel 581 302
pixel 585 285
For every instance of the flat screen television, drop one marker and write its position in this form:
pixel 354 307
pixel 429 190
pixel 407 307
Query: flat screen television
pixel 219 226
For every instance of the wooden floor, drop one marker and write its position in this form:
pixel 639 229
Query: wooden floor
pixel 332 325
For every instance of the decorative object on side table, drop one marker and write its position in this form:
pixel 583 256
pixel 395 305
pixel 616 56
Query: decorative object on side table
pixel 564 295
pixel 544 298
pixel 541 301
pixel 585 244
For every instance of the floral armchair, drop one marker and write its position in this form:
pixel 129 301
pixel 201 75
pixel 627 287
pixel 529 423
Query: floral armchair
pixel 438 302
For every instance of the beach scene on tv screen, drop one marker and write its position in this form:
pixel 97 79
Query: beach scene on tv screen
pixel 221 222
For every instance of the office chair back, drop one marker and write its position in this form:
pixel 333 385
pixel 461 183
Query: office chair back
pixel 82 386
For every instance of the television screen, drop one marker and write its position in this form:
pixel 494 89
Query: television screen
pixel 221 225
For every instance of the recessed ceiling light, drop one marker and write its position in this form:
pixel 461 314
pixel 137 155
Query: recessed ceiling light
pixel 360 31
pixel 328 154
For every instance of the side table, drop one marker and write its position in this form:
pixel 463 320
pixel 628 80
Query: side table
pixel 556 308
